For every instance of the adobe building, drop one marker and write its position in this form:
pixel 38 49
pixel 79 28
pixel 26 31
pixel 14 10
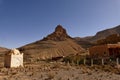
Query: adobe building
pixel 13 58
pixel 103 51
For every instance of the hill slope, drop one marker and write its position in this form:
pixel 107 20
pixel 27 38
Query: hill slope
pixel 89 41
pixel 106 33
pixel 3 50
pixel 57 44
pixel 101 34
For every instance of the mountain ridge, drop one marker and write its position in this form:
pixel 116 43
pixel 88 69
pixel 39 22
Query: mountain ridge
pixel 90 40
pixel 102 34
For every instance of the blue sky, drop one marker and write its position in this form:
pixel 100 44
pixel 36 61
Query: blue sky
pixel 26 21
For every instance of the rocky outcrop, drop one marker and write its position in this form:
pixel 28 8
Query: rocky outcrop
pixel 59 34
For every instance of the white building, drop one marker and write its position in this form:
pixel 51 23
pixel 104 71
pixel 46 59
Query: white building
pixel 13 58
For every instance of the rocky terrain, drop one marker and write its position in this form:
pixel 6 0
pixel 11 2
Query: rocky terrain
pixel 84 43
pixel 2 52
pixel 57 44
pixel 89 41
pixel 59 71
pixel 105 33
pixel 59 34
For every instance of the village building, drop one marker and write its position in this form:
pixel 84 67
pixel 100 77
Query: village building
pixel 13 58
pixel 104 51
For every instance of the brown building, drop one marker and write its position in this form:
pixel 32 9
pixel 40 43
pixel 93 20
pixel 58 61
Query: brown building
pixel 103 51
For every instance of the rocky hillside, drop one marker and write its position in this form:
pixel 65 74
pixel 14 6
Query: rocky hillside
pixel 106 33
pixel 83 42
pixel 57 44
pixel 88 41
pixel 2 52
pixel 59 34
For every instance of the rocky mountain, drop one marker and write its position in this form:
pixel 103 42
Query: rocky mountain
pixel 89 41
pixel 105 33
pixel 57 44
pixel 59 34
pixel 100 35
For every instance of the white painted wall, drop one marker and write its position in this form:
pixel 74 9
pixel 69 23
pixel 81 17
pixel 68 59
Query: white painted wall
pixel 13 59
pixel 17 60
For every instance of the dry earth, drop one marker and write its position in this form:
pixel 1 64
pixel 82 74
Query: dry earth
pixel 58 71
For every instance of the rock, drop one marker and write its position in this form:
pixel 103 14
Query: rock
pixel 59 34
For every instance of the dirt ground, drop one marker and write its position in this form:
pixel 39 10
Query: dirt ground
pixel 58 71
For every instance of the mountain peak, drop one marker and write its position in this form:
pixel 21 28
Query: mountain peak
pixel 59 34
pixel 59 28
pixel 56 44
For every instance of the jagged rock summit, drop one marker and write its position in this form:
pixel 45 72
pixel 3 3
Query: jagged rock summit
pixel 59 34
pixel 57 44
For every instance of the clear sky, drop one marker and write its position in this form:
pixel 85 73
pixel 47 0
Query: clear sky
pixel 26 21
